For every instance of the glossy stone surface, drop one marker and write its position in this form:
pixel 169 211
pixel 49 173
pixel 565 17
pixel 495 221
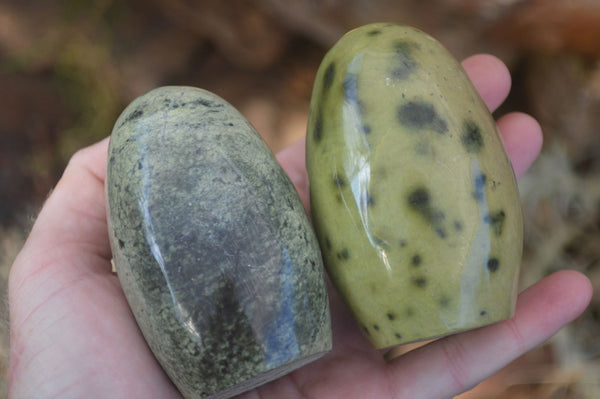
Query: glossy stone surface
pixel 212 245
pixel 413 198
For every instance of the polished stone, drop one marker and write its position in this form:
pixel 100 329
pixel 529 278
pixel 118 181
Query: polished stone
pixel 413 197
pixel 212 245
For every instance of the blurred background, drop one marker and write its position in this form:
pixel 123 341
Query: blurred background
pixel 68 68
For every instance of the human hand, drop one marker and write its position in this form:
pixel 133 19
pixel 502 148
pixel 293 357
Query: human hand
pixel 73 335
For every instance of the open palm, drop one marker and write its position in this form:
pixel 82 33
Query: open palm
pixel 73 335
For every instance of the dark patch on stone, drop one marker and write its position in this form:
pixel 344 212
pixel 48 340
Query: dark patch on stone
pixel 230 323
pixel 416 260
pixel 458 225
pixel 365 329
pixel 327 243
pixel 398 335
pixel 370 200
pixel 344 254
pixel 404 64
pixel 493 264
pixel 329 76
pixel 402 243
pixel 136 114
pixel 479 187
pixel 206 103
pixel 420 281
pixel 366 129
pixel 496 221
pixel 121 244
pixel 390 316
pixel 440 231
pixel 420 201
pixel 471 137
pixel 482 313
pixel 421 115
pixel 410 312
pixel 339 180
pixel 444 301
pixel 376 327
pixel 318 128
pixel 351 88
pixel 374 32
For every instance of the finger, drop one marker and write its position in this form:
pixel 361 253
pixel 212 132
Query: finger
pixel 490 77
pixel 72 221
pixel 522 138
pixel 457 363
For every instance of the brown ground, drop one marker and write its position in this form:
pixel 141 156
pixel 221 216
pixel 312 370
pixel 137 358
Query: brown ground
pixel 67 68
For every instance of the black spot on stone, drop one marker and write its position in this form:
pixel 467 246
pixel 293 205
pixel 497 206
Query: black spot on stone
pixel 339 180
pixel 374 32
pixel 421 116
pixel 444 301
pixel 458 225
pixel 482 313
pixel 136 114
pixel 205 103
pixel 121 243
pixel 329 76
pixel 416 260
pixel 496 221
pixel 404 64
pixel 402 243
pixel 493 264
pixel 365 329
pixel 370 200
pixel 471 137
pixel 366 129
pixel 376 327
pixel 398 335
pixel 479 187
pixel 351 88
pixel 441 232
pixel 344 254
pixel 390 316
pixel 419 199
pixel 420 281
pixel 327 243
pixel 318 128
pixel 409 312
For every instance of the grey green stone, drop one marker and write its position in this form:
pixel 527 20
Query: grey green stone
pixel 413 197
pixel 212 246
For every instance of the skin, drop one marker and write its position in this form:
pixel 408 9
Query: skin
pixel 73 335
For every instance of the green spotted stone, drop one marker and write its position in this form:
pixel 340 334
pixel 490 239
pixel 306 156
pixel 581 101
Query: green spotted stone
pixel 212 246
pixel 413 198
